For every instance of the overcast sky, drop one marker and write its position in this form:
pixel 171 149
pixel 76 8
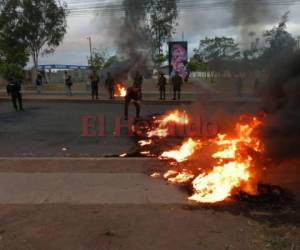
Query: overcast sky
pixel 195 23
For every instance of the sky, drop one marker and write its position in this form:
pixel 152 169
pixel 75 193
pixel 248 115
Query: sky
pixel 195 23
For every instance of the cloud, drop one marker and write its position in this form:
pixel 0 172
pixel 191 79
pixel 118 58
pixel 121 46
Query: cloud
pixel 195 23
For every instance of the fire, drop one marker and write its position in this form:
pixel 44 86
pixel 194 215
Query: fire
pixel 179 117
pixel 184 152
pixel 232 160
pixel 120 90
pixel 182 177
pixel 155 175
pixel 218 185
pixel 145 143
pixel 162 130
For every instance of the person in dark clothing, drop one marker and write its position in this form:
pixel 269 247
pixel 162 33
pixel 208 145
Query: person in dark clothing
pixel 94 78
pixel 39 83
pixel 138 82
pixel 68 83
pixel 14 90
pixel 133 95
pixel 110 85
pixel 162 82
pixel 177 83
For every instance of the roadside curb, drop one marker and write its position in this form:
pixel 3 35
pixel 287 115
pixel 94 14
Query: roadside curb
pixel 153 102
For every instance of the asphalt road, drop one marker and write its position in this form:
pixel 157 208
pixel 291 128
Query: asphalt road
pixel 107 204
pixel 55 129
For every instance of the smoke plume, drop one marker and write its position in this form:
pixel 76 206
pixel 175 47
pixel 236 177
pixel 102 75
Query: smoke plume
pixel 132 40
pixel 251 16
pixel 281 132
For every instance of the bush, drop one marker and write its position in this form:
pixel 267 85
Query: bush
pixel 8 71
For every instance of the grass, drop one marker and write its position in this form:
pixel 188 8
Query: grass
pixel 279 238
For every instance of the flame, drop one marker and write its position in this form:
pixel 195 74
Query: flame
pixel 120 90
pixel 181 177
pixel 155 175
pixel 232 163
pixel 145 143
pixel 175 117
pixel 183 153
pixel 218 185
pixel 179 117
pixel 148 153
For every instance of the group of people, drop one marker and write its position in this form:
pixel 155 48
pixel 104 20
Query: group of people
pixel 176 82
pixel 110 83
pixel 133 94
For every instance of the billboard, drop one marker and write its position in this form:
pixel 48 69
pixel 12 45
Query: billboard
pixel 178 59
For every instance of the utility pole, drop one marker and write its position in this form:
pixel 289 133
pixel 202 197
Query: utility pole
pixel 91 52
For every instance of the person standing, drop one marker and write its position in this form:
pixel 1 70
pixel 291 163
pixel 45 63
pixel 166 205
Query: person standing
pixel 162 82
pixel 110 85
pixel 68 83
pixel 94 78
pixel 14 90
pixel 39 83
pixel 177 83
pixel 138 83
pixel 133 95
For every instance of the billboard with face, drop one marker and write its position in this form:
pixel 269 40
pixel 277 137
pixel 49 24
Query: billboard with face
pixel 178 59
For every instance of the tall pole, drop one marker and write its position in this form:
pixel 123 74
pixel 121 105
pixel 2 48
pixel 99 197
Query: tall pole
pixel 91 52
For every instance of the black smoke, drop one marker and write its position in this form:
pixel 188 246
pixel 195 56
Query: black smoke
pixel 134 42
pixel 251 17
pixel 281 131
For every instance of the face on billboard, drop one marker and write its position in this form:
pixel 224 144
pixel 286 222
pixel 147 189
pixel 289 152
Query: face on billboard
pixel 178 59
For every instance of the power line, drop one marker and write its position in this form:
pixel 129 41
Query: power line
pixel 76 7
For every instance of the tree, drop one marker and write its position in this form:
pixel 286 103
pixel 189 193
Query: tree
pixel 161 18
pixel 101 59
pixel 110 61
pixel 13 48
pixel 218 48
pixel 30 27
pixel 13 53
pixel 44 25
pixel 279 42
pixel 194 65
pixel 217 53
pixel 10 70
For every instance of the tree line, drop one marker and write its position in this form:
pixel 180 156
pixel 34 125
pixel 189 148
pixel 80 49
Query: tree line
pixel 29 28
pixel 221 56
